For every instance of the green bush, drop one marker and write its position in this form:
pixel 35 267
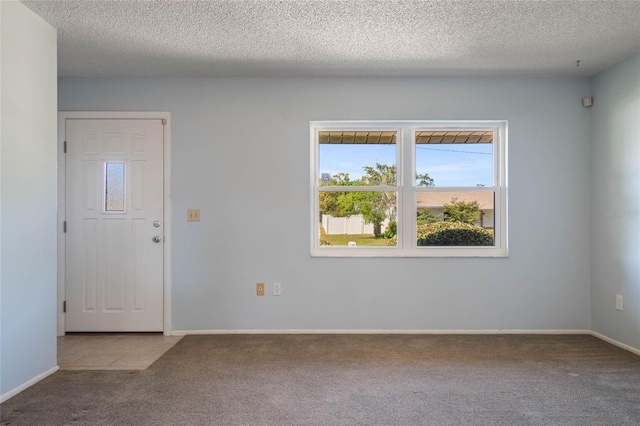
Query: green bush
pixel 392 230
pixel 453 234
pixel 425 215
pixel 324 242
pixel 462 211
pixel 450 234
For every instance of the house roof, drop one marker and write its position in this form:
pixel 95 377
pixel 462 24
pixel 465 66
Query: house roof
pixel 437 199
pixel 422 137
pixel 347 38
pixel 339 137
pixel 430 137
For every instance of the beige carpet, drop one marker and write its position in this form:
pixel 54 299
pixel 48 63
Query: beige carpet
pixel 350 380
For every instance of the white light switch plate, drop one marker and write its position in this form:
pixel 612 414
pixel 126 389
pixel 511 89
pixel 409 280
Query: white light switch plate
pixel 619 302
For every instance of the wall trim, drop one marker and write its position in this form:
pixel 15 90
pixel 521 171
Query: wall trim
pixel 375 331
pixel 615 342
pixel 13 392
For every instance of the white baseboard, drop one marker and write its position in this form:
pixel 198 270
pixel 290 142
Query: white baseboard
pixel 13 392
pixel 615 342
pixel 374 331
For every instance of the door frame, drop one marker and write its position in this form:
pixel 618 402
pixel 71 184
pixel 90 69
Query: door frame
pixel 115 115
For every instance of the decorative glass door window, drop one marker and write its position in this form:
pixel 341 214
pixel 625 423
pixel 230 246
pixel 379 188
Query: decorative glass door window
pixel 114 186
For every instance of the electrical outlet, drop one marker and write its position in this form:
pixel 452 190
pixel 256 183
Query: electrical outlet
pixel 260 289
pixel 277 289
pixel 193 215
pixel 619 302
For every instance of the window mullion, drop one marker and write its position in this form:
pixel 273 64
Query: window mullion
pixel 408 216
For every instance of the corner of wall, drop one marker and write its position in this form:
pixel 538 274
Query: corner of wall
pixel 28 198
pixel 615 202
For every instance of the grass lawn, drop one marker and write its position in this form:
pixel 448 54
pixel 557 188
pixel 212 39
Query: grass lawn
pixel 360 240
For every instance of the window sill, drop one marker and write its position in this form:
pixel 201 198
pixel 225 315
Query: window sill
pixel 408 253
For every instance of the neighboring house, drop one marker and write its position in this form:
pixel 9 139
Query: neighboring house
pixel 434 200
pixel 437 200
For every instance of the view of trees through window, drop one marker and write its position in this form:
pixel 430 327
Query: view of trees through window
pixel 358 189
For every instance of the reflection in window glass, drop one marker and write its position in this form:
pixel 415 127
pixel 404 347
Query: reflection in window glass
pixel 114 187
pixel 360 158
pixel 358 218
pixel 455 218
pixel 455 158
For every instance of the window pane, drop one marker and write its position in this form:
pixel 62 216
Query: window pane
pixel 360 218
pixel 454 158
pixel 455 218
pixel 357 158
pixel 114 187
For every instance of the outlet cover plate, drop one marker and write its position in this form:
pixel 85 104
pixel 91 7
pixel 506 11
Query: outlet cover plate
pixel 193 215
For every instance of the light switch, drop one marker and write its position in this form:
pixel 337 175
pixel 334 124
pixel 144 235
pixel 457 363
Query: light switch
pixel 193 215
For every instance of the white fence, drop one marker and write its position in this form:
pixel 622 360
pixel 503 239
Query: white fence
pixel 348 225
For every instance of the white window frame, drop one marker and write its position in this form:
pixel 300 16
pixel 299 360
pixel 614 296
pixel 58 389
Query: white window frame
pixel 406 189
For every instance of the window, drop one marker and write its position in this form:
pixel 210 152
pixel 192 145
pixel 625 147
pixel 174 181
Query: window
pixel 114 186
pixel 411 189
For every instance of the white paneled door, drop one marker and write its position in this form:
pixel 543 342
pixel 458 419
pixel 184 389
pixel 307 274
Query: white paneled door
pixel 114 225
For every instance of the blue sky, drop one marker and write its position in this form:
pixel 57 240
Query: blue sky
pixel 447 164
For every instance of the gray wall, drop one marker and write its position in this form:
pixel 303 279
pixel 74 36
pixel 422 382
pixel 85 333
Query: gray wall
pixel 241 154
pixel 28 197
pixel 615 201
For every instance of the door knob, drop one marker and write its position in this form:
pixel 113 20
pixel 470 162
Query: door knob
pixel 157 239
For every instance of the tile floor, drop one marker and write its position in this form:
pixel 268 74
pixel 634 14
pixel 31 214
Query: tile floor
pixel 107 351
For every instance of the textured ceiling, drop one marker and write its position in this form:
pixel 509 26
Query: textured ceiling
pixel 341 38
